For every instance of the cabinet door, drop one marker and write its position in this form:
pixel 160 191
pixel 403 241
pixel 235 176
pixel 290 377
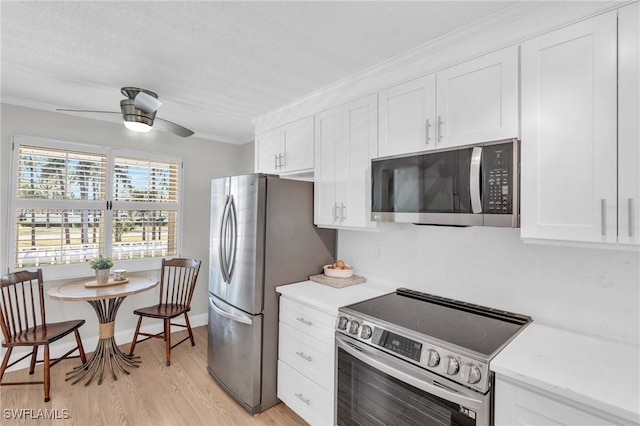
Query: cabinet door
pixel 515 405
pixel 628 130
pixel 268 149
pixel 406 117
pixel 477 100
pixel 327 145
pixel 359 143
pixel 569 133
pixel 297 145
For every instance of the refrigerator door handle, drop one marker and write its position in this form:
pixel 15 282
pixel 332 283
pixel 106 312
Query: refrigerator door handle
pixel 222 244
pixel 237 318
pixel 233 236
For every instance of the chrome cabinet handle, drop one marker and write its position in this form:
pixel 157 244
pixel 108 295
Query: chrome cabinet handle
pixel 342 209
pixel 275 160
pixel 439 128
pixel 304 321
pixel 630 211
pixel 303 399
pixel 303 356
pixel 603 216
pixel 335 212
pixel 428 127
pixel 281 160
pixel 474 179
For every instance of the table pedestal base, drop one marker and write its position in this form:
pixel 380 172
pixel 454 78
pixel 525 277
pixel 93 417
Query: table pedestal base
pixel 107 351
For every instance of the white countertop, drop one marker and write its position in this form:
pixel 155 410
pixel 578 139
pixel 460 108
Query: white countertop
pixel 329 299
pixel 600 374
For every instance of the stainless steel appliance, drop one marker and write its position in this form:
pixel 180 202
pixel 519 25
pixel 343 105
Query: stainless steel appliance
pixel 470 185
pixel 262 236
pixel 411 358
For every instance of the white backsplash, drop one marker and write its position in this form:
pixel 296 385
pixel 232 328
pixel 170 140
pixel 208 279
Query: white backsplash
pixel 592 291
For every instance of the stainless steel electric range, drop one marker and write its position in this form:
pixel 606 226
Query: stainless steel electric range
pixel 411 358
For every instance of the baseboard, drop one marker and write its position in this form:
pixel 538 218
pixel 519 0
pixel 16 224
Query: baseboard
pixel 90 342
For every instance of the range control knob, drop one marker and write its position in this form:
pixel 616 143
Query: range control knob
pixel 366 332
pixel 433 358
pixel 470 373
pixel 342 323
pixel 353 327
pixel 450 365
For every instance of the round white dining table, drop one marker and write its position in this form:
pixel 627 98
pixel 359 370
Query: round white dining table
pixel 105 300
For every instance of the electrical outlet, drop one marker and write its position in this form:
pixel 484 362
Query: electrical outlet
pixel 379 252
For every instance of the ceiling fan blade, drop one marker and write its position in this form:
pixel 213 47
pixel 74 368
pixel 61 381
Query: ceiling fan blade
pixel 147 103
pixel 86 110
pixel 168 126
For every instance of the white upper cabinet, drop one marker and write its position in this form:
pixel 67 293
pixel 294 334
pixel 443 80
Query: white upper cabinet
pixel 267 151
pixel 569 133
pixel 407 115
pixel 477 100
pixel 628 130
pixel 346 139
pixel 286 149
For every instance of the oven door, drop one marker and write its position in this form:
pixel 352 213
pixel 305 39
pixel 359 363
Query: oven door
pixel 375 388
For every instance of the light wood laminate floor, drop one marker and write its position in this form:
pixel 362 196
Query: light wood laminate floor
pixel 182 394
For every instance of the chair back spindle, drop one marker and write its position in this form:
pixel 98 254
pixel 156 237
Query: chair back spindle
pixel 177 281
pixel 21 303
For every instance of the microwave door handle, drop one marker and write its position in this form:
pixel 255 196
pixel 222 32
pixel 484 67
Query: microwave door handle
pixel 474 180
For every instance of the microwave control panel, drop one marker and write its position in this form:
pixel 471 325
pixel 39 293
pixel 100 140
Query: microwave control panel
pixel 497 163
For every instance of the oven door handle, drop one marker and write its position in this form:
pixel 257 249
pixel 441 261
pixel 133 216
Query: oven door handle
pixel 395 368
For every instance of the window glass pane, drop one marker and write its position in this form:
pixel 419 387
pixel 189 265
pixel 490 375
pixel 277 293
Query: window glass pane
pixel 145 180
pixel 52 174
pixel 144 233
pixel 55 237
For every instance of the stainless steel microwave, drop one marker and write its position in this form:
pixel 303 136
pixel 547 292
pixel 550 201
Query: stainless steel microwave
pixel 463 186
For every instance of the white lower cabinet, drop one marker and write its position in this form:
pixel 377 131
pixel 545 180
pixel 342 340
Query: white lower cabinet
pixel 306 361
pixel 520 405
pixel 310 401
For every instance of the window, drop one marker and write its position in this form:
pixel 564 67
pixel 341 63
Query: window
pixel 71 202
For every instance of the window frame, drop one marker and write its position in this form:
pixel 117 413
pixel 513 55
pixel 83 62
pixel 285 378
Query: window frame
pixel 77 270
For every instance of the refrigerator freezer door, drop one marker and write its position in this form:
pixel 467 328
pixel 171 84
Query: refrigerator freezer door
pixel 234 352
pixel 219 209
pixel 245 243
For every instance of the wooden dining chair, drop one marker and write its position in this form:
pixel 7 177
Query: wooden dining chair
pixel 23 321
pixel 177 282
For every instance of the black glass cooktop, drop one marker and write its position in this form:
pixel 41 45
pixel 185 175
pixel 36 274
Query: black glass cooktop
pixel 473 327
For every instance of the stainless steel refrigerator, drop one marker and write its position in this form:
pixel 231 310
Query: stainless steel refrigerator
pixel 262 236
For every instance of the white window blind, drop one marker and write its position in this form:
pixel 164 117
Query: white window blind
pixel 71 202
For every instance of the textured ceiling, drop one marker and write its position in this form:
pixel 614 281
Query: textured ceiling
pixel 215 65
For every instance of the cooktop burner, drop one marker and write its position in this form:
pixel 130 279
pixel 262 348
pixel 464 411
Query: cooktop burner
pixel 479 329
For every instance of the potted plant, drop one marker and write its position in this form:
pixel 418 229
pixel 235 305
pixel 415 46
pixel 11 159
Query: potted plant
pixel 102 265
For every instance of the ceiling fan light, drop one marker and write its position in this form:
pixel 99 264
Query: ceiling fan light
pixel 137 126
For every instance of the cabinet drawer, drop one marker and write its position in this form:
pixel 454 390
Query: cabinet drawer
pixel 309 356
pixel 311 402
pixel 308 320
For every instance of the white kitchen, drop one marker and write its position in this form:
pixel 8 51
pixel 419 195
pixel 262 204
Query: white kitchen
pixel 475 160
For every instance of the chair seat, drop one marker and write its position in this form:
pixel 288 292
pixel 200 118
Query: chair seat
pixel 40 335
pixel 162 311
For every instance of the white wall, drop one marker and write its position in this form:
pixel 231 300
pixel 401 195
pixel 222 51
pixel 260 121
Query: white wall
pixel 203 160
pixel 593 291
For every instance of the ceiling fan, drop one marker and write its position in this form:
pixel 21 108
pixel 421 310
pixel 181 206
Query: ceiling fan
pixel 139 112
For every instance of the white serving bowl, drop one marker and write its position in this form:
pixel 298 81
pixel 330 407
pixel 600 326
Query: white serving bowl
pixel 337 273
